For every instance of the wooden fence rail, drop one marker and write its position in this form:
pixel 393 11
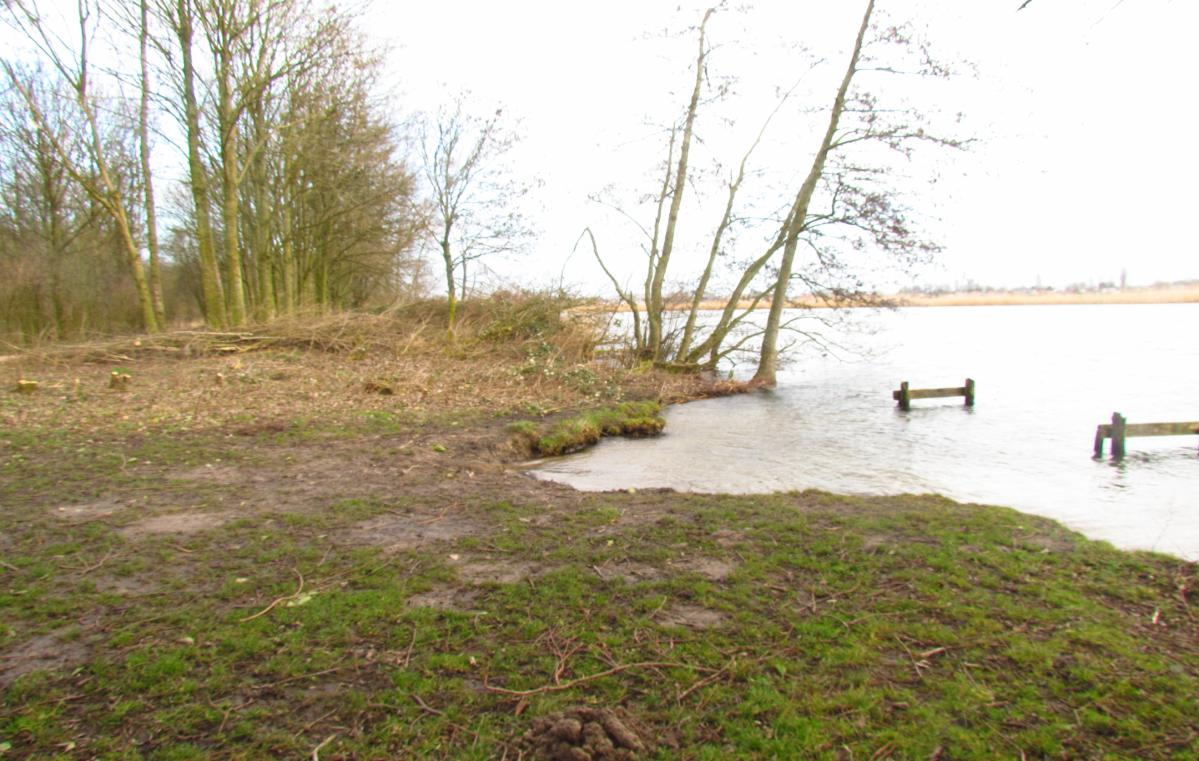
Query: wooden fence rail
pixel 905 395
pixel 1120 429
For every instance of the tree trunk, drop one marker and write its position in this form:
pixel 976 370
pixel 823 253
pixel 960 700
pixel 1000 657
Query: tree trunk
pixel 451 291
pixel 147 174
pixel 289 262
pixel 263 256
pixel 702 287
pixel 230 187
pixel 768 359
pixel 655 308
pixel 210 273
pixel 133 256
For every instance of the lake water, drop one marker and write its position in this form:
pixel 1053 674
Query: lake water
pixel 1046 376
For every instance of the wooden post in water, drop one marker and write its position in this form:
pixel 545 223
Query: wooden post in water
pixel 1120 429
pixel 906 394
pixel 1118 423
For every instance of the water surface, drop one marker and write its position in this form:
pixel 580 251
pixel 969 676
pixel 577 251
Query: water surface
pixel 1046 375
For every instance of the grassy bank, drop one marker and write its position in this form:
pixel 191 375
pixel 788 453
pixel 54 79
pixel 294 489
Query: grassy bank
pixel 290 562
pixel 572 434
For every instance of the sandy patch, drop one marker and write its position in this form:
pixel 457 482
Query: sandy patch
pixel 691 617
pixel 89 511
pixel 404 532
pixel 175 523
pixel 712 569
pixel 494 571
pixel 445 598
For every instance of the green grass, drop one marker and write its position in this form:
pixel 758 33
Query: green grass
pixel 582 431
pixel 832 627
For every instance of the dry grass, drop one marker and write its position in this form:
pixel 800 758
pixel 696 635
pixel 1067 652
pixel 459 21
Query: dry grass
pixel 335 369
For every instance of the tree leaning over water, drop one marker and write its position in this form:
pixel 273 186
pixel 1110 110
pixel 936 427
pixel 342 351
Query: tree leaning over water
pixel 845 208
pixel 797 220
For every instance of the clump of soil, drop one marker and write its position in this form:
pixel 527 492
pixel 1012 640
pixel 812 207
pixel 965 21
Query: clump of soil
pixel 589 734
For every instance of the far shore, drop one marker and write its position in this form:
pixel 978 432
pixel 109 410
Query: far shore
pixel 1182 294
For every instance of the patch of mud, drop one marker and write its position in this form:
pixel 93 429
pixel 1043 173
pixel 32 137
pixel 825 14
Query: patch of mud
pixel 629 571
pixel 727 537
pixel 445 598
pixel 876 541
pixel 49 652
pixel 711 569
pixel 691 617
pixel 127 586
pixel 89 511
pixel 494 571
pixel 406 532
pixel 175 523
pixel 220 475
pixel 589 734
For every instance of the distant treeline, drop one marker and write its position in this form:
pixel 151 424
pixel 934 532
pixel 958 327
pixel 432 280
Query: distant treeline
pixel 289 190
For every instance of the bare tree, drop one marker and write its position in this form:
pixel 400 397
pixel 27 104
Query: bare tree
pixel 57 277
pixel 843 206
pixel 98 175
pixel 473 197
pixel 344 197
pixel 181 19
pixel 797 219
pixel 147 177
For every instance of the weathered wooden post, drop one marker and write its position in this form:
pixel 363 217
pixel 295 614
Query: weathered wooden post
pixel 1118 423
pixel 905 399
pixel 1120 429
pixel 969 392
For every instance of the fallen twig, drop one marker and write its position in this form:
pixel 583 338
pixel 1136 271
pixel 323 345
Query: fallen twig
pixel 917 665
pixel 408 652
pixel 316 752
pixel 96 566
pixel 706 680
pixel 278 601
pixel 425 706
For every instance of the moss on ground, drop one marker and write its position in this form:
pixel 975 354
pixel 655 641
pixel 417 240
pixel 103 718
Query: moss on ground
pixel 579 432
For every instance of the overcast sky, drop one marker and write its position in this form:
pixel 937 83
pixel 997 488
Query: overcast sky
pixel 1083 110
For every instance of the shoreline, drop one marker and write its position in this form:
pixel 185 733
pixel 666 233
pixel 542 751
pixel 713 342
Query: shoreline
pixel 1187 294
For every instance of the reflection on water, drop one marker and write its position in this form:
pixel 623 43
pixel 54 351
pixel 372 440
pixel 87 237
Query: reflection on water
pixel 1046 377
